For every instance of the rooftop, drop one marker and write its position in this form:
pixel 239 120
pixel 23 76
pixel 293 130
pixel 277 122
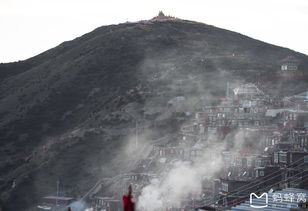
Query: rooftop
pixel 61 198
pixel 290 59
pixel 249 88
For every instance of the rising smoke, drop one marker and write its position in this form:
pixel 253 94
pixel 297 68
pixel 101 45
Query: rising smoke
pixel 184 178
pixel 182 181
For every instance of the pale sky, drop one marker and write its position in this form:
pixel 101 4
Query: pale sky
pixel 29 27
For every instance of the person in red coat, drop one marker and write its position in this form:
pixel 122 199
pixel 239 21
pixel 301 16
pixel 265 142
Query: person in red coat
pixel 128 204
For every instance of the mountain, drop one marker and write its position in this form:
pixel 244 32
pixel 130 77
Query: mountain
pixel 69 114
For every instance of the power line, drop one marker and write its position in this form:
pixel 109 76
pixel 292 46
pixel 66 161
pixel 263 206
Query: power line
pixel 251 183
pixel 285 180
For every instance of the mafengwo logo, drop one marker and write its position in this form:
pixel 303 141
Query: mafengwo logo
pixel 258 201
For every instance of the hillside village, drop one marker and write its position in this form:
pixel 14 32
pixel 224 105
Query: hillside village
pixel 193 103
pixel 272 155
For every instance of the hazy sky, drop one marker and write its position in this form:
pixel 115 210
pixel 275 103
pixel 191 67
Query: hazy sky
pixel 29 27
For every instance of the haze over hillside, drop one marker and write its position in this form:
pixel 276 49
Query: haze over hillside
pixel 69 114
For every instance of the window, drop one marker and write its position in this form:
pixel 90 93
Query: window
pixel 224 186
pixel 276 157
pixel 194 153
pixel 225 201
pixel 306 159
pixel 258 163
pixel 227 157
pixel 247 110
pixel 213 129
pixel 283 158
pixel 239 161
pixel 261 173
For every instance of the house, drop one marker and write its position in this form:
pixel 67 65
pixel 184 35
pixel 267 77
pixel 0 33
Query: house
pixel 106 204
pixel 249 95
pixel 228 158
pixel 281 158
pixel 192 129
pixel 290 158
pixel 55 203
pixel 169 151
pixel 298 159
pixel 296 174
pixel 265 171
pixel 268 176
pixel 176 101
pixel 137 180
pixel 195 153
pixel 272 140
pixel 299 138
pixel 304 177
pixel 262 161
pixel 298 101
pixel 233 190
pixel 247 90
pixel 290 63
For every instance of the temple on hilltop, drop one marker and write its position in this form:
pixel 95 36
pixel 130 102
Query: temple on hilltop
pixel 160 17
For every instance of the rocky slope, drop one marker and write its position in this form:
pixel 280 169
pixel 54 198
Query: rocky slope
pixel 69 114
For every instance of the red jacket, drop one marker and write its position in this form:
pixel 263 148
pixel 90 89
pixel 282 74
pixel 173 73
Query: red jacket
pixel 128 204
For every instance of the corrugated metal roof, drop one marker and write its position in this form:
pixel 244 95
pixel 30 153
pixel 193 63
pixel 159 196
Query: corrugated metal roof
pixel 58 198
pixel 290 59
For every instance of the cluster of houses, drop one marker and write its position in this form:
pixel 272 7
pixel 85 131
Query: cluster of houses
pixel 273 156
pixel 273 153
pixel 278 160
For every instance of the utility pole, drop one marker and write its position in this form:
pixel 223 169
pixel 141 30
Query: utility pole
pixel 136 129
pixel 227 93
pixel 58 186
pixel 136 135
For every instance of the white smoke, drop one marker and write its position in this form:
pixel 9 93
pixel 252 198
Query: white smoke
pixel 78 206
pixel 182 181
